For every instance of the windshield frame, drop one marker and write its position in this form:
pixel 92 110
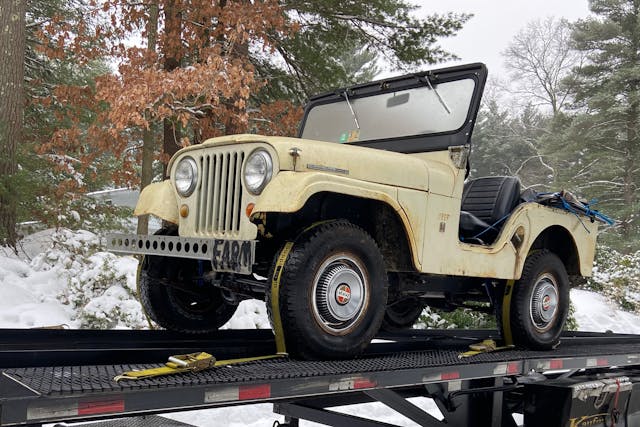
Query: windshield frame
pixel 420 142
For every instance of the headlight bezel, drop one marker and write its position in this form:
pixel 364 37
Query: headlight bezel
pixel 266 178
pixel 188 191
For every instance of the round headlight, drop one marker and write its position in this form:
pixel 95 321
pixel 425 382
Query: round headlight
pixel 186 176
pixel 258 169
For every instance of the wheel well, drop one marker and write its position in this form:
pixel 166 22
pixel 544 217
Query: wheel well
pixel 558 240
pixel 377 218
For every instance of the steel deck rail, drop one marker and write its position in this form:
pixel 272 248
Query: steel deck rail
pixel 34 395
pixel 58 347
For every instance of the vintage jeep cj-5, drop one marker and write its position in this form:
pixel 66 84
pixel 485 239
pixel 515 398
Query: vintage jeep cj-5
pixel 358 224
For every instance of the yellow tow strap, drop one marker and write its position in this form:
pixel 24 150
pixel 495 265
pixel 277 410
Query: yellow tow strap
pixel 506 312
pixel 489 345
pixel 486 346
pixel 275 298
pixel 138 271
pixel 193 362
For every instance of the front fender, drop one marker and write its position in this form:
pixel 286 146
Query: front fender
pixel 158 199
pixel 289 191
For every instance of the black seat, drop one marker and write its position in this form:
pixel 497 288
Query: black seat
pixel 486 204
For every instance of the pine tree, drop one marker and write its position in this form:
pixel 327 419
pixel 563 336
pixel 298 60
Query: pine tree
pixel 328 30
pixel 42 173
pixel 607 92
pixel 508 143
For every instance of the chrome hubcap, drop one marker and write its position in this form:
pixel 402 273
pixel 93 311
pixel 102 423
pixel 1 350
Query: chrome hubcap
pixel 339 293
pixel 544 302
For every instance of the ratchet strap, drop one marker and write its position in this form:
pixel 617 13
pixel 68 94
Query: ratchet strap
pixel 506 313
pixel 489 345
pixel 486 346
pixel 192 362
pixel 275 298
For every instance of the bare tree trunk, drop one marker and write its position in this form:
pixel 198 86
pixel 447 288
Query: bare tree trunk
pixel 629 181
pixel 12 49
pixel 172 55
pixel 234 123
pixel 148 141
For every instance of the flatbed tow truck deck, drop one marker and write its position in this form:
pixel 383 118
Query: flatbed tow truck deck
pixel 468 391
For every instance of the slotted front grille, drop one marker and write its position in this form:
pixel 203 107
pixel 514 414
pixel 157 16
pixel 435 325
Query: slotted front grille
pixel 219 197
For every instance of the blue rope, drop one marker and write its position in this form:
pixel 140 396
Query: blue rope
pixel 597 214
pixel 591 213
pixel 570 208
pixel 587 211
pixel 492 226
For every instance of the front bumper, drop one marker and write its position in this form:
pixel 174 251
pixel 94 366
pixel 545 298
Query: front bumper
pixel 231 256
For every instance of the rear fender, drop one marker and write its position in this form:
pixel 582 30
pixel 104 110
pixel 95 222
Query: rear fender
pixel 530 227
pixel 571 237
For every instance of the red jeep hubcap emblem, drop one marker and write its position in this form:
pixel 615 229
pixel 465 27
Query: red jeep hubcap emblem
pixel 343 294
pixel 546 302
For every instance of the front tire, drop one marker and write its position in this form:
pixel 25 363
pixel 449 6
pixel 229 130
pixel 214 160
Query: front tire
pixel 540 302
pixel 333 290
pixel 174 295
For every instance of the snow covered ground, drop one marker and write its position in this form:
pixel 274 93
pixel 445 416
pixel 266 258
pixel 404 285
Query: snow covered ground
pixel 35 288
pixel 595 313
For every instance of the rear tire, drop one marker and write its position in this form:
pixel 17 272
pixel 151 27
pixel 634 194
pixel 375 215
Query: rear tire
pixel 401 314
pixel 540 302
pixel 173 295
pixel 333 288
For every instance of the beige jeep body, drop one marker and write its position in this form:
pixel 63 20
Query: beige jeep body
pixel 400 184
pixel 423 191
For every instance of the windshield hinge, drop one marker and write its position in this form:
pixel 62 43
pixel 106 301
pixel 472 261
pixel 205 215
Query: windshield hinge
pixel 459 155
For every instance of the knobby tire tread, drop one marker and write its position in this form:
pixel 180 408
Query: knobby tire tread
pixel 520 320
pixel 290 298
pixel 157 301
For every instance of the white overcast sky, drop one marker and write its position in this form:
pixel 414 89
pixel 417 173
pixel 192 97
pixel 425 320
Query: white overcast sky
pixel 495 22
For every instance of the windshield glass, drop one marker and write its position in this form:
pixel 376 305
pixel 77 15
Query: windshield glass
pixel 424 110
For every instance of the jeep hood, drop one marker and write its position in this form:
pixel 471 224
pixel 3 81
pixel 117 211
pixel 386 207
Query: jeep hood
pixel 360 163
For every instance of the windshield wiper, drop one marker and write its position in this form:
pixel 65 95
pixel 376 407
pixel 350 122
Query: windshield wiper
pixel 353 113
pixel 444 104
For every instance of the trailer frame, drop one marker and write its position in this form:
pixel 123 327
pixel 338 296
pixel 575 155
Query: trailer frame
pixel 467 391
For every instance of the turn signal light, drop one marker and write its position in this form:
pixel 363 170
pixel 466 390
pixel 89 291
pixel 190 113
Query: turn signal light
pixel 249 209
pixel 184 211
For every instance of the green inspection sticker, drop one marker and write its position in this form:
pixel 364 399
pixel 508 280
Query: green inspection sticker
pixel 353 135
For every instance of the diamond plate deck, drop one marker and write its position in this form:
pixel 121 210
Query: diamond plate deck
pixel 70 380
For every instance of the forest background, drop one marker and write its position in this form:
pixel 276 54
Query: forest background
pixel 98 94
